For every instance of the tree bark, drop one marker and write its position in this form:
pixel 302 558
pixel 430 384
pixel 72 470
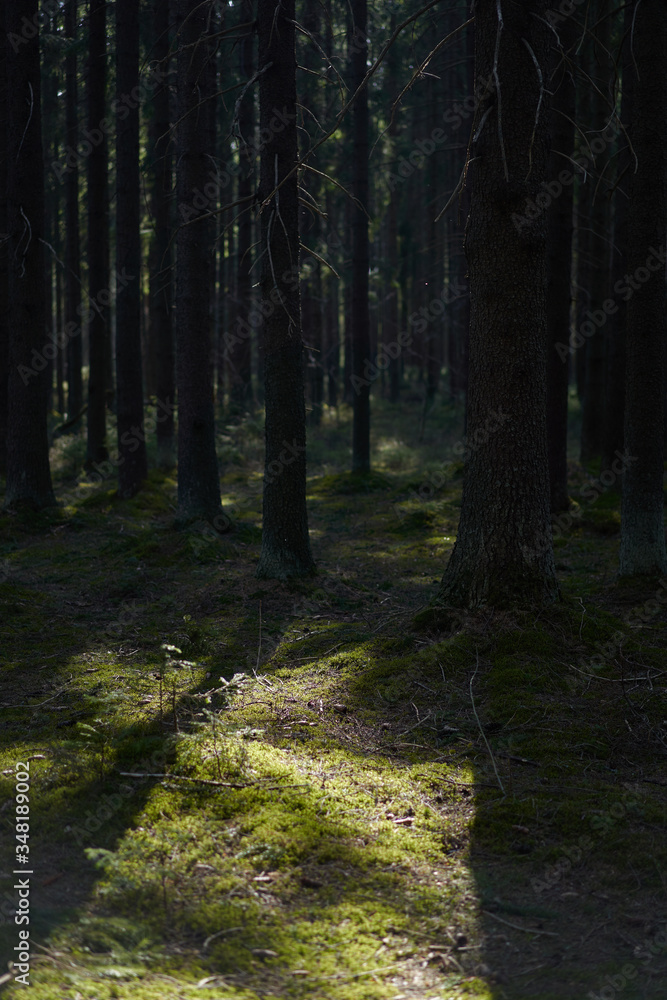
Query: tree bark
pixel 28 473
pixel 161 277
pixel 98 238
pixel 4 288
pixel 132 469
pixel 642 549
pixel 285 541
pixel 198 479
pixel 361 343
pixel 72 240
pixel 503 552
pixel 559 252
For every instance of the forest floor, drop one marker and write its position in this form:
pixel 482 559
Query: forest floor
pixel 314 798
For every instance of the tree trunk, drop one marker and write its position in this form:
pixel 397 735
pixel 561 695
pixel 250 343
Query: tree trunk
pixel 559 243
pixel 642 548
pixel 28 473
pixel 4 288
pixel 285 542
pixel 503 552
pixel 361 346
pixel 241 395
pixel 98 238
pixel 161 277
pixel 132 467
pixel 72 241
pixel 198 480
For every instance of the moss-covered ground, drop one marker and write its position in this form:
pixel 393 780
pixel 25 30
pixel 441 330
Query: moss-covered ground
pixel 307 795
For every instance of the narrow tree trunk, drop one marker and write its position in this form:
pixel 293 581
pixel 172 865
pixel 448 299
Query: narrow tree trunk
pixel 132 467
pixel 28 473
pixel 285 542
pixel 4 288
pixel 642 519
pixel 72 241
pixel 98 238
pixel 559 243
pixel 198 480
pixel 161 277
pixel 503 552
pixel 241 396
pixel 361 346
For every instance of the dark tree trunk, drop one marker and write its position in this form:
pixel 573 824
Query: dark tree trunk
pixel 98 238
pixel 642 548
pixel 28 473
pixel 615 382
pixel 503 552
pixel 361 345
pixel 4 289
pixel 241 396
pixel 161 276
pixel 599 277
pixel 559 251
pixel 198 481
pixel 132 467
pixel 285 541
pixel 72 241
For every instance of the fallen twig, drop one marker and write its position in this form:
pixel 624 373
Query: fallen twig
pixel 518 927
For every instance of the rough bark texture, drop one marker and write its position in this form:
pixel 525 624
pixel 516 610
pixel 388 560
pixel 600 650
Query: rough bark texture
pixel 642 548
pixel 559 243
pixel 503 552
pixel 285 542
pixel 98 237
pixel 161 279
pixel 132 467
pixel 198 480
pixel 361 342
pixel 28 473
pixel 72 241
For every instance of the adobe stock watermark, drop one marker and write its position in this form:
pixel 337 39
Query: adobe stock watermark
pixel 420 321
pixel 463 448
pixel 553 189
pixel 624 288
pixel 423 148
pixel 647 951
pixel 207 198
pixel 59 341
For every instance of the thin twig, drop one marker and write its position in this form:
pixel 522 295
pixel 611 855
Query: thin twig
pixel 472 699
pixel 518 927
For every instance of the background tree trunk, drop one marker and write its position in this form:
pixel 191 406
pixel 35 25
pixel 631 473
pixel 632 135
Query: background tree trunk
pixel 161 280
pixel 198 480
pixel 72 241
pixel 361 343
pixel 98 237
pixel 285 541
pixel 28 473
pixel 503 551
pixel 132 467
pixel 642 548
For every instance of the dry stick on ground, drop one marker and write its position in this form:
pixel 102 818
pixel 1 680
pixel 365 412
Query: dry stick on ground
pixel 207 781
pixel 480 726
pixel 518 927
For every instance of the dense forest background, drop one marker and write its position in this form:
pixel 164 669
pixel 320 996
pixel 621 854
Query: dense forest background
pixel 332 548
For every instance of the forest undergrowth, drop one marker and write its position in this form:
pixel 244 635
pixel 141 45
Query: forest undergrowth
pixel 244 789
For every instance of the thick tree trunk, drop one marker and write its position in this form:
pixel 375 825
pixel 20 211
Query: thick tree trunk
pixel 72 241
pixel 559 243
pixel 198 479
pixel 28 473
pixel 132 467
pixel 98 238
pixel 503 552
pixel 642 548
pixel 161 277
pixel 361 344
pixel 285 542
